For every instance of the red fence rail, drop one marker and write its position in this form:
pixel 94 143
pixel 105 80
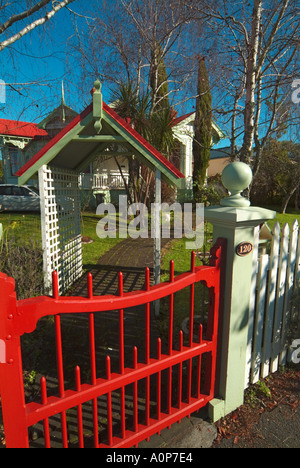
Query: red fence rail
pixel 20 317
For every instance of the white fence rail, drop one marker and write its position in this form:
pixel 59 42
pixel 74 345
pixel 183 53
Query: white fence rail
pixel 105 180
pixel 275 278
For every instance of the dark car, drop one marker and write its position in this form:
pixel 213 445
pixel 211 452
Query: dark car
pixel 15 198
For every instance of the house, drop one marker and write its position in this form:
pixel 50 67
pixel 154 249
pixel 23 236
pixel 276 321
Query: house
pixel 19 141
pixel 183 129
pixel 15 136
pixel 103 179
pixel 106 180
pixel 219 159
pixel 98 129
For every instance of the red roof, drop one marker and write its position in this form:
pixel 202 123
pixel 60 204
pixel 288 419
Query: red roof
pixel 118 119
pixel 20 129
pixel 142 140
pixel 181 119
pixel 54 140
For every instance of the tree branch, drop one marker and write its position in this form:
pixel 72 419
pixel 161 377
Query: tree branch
pixel 25 14
pixel 30 27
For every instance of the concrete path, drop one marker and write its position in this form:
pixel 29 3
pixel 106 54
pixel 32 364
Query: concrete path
pixel 131 257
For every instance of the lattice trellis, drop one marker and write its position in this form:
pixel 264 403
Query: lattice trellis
pixel 61 231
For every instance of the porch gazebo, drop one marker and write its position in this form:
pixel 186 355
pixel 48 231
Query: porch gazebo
pixel 59 164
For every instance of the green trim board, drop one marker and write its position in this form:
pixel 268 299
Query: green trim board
pixel 142 152
pixel 50 154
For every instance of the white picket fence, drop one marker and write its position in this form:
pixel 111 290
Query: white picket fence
pixel 274 279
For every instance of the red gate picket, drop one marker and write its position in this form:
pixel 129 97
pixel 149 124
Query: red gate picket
pixel 19 317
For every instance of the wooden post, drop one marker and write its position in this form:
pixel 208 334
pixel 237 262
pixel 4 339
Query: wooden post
pixel 157 227
pixel 157 234
pixel 235 221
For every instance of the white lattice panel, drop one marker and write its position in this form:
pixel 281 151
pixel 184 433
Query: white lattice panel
pixel 60 219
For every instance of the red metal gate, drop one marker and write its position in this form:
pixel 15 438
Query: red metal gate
pixel 20 317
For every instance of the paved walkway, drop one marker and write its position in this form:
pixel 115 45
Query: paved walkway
pixel 131 257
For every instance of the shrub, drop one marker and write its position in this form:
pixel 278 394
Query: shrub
pixel 209 195
pixel 24 263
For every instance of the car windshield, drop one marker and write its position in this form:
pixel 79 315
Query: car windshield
pixel 34 189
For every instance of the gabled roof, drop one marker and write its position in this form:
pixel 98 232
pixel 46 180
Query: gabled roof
pixel 20 129
pixel 178 120
pixel 80 142
pixel 60 112
pixel 188 118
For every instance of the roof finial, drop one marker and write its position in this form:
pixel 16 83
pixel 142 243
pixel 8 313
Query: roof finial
pixel 97 106
pixel 63 102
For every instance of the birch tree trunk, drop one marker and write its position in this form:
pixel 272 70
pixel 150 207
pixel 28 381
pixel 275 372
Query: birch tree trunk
pixel 251 76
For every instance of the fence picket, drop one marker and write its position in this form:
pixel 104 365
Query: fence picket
pixel 297 269
pixel 259 318
pixel 271 300
pixel 280 292
pixel 274 280
pixel 290 278
pixel 252 306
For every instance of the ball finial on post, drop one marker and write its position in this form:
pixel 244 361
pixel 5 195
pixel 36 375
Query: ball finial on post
pixel 236 177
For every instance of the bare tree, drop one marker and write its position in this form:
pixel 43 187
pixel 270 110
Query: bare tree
pixel 13 29
pixel 26 37
pixel 132 40
pixel 256 50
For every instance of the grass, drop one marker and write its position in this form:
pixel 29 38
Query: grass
pixel 23 226
pixel 289 217
pixel 92 252
pixel 178 252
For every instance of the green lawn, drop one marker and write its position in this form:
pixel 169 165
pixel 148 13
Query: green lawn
pixel 182 256
pixel 22 226
pixel 284 218
pixel 92 252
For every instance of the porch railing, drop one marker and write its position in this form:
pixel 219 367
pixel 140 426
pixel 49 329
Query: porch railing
pixel 103 181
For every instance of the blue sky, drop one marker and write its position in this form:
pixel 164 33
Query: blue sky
pixel 35 66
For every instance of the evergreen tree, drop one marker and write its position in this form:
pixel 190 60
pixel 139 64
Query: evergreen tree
pixel 155 127
pixel 203 130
